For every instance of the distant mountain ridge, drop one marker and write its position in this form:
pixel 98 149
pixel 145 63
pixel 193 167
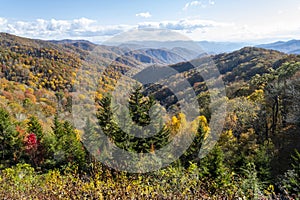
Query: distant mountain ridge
pixel 146 55
pixel 131 55
pixel 200 47
pixel 290 47
pixel 221 47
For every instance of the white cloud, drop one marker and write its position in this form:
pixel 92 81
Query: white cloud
pixel 144 15
pixel 202 4
pixel 2 21
pixel 61 29
pixel 193 3
pixel 84 28
pixel 181 25
pixel 193 28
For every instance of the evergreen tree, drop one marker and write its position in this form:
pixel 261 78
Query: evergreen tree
pixel 68 147
pixel 291 180
pixel 35 131
pixel 74 151
pixel 192 153
pixel 95 143
pixel 90 138
pixel 139 108
pixel 105 115
pixel 262 162
pixel 59 143
pixel 213 168
pixel 10 142
pixel 34 126
pixel 57 128
pixel 107 123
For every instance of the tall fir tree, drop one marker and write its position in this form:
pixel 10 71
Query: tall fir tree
pixel 192 153
pixel 74 151
pixel 140 107
pixel 10 142
pixel 34 126
pixel 139 112
pixel 36 155
pixel 68 148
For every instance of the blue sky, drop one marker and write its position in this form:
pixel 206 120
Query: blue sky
pixel 96 20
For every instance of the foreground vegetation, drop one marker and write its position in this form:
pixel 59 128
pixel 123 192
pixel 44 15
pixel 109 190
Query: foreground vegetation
pixel 173 182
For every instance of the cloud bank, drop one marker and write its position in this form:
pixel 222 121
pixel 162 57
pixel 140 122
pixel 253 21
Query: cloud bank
pixel 193 28
pixel 84 28
pixel 59 29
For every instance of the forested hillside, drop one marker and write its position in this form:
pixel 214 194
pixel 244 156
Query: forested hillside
pixel 44 154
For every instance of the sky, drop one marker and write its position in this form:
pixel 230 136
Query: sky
pixel 257 21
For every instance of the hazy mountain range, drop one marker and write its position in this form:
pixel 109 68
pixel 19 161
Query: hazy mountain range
pixel 290 47
pixel 207 47
pixel 187 50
